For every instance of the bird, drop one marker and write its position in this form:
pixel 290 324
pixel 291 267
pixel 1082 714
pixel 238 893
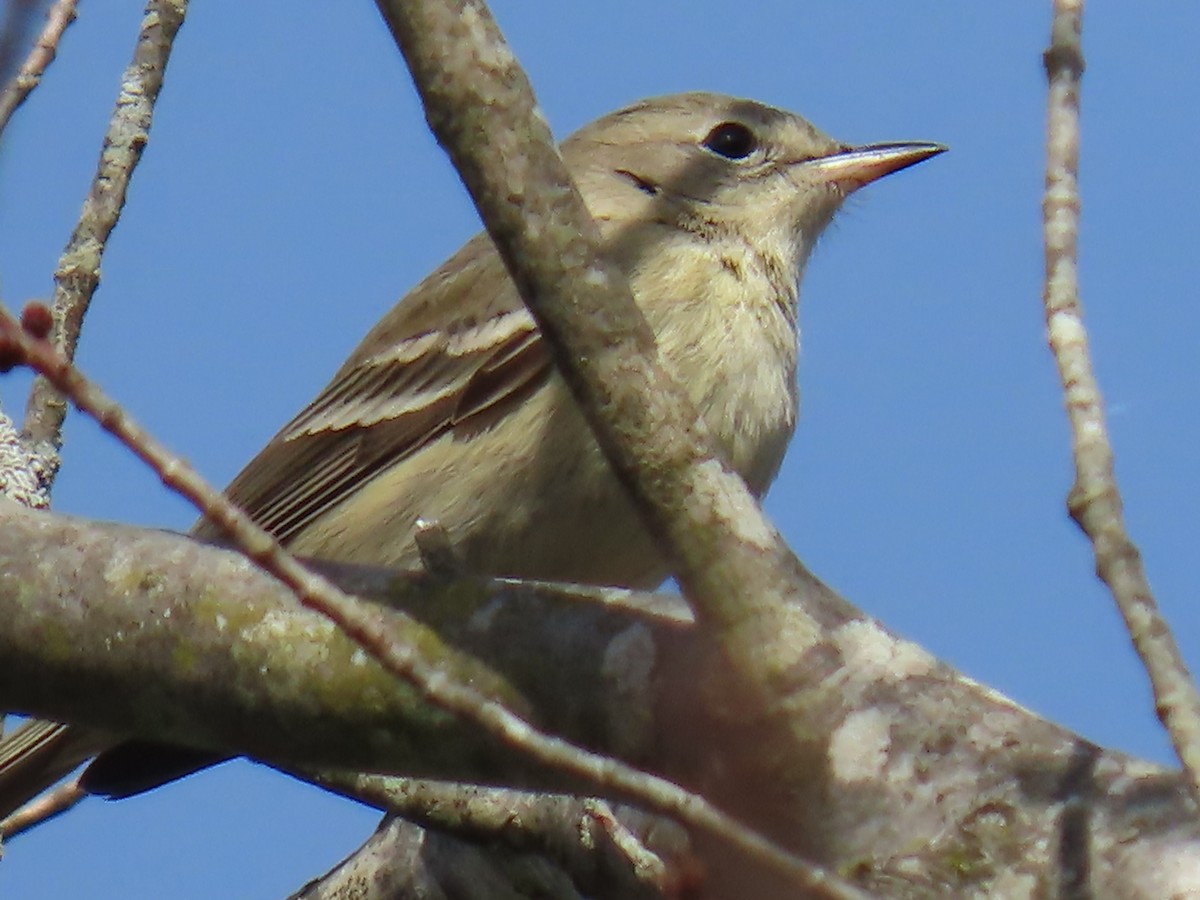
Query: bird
pixel 451 410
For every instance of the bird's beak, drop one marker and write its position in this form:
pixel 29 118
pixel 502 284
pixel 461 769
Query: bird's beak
pixel 858 166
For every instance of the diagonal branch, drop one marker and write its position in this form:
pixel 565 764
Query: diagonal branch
pixel 78 273
pixel 741 578
pixel 399 653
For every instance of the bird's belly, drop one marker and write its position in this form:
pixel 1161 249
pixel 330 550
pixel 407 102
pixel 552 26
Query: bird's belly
pixel 553 512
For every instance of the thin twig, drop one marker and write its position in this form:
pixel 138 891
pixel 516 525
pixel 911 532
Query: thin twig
pixel 43 808
pixel 1094 501
pixel 78 272
pixel 616 779
pixel 29 76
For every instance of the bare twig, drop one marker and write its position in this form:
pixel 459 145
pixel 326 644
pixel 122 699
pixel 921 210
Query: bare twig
pixel 36 755
pixel 18 347
pixel 78 272
pixel 61 14
pixel 43 808
pixel 1094 501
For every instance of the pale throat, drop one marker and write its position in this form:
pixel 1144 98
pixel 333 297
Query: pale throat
pixel 739 340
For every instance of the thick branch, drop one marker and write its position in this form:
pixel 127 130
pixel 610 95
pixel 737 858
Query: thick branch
pixel 152 634
pixel 909 768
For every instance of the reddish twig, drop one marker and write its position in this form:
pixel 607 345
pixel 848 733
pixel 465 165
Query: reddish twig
pixel 24 343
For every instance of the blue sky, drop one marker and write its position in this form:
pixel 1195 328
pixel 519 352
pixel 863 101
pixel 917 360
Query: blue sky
pixel 291 193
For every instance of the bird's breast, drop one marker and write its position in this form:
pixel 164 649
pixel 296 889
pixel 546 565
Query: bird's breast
pixel 728 335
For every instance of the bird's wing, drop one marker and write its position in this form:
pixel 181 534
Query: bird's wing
pixel 432 364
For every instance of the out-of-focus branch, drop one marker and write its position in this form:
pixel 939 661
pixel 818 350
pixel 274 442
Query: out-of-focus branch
pixel 60 15
pixel 16 22
pixel 1094 501
pixel 78 272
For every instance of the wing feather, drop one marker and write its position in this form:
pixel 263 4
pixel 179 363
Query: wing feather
pixel 411 381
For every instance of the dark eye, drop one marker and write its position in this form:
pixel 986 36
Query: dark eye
pixel 733 140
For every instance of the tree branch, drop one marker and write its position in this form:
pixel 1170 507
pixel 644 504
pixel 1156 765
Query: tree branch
pixel 604 855
pixel 736 570
pixel 153 634
pixel 1095 500
pixel 78 273
pixel 395 645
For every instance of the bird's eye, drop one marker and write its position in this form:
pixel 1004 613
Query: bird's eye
pixel 733 140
